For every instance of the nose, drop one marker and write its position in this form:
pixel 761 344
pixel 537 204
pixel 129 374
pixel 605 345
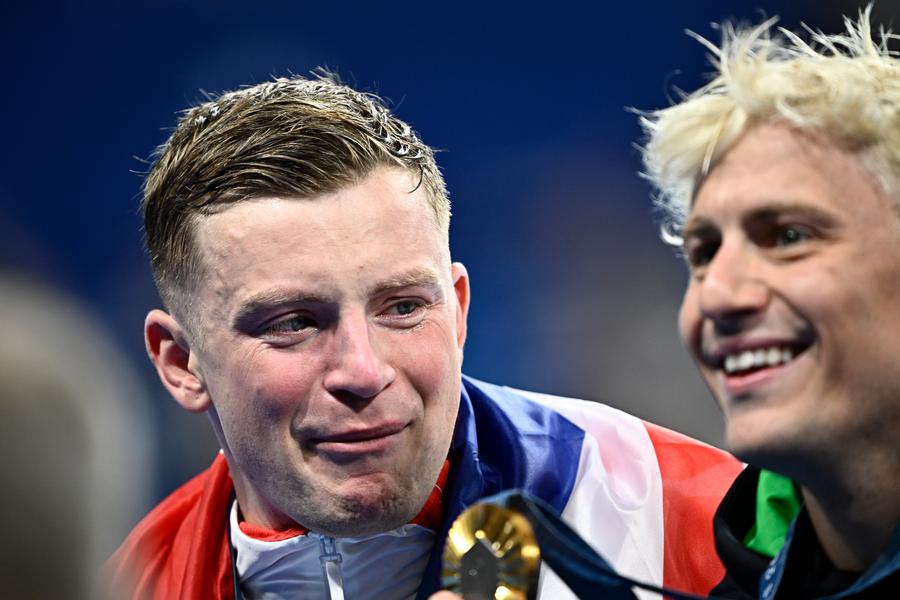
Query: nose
pixel 732 287
pixel 355 368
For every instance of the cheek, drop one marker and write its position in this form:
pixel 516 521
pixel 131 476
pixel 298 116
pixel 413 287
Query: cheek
pixel 835 300
pixel 430 349
pixel 858 323
pixel 430 360
pixel 430 372
pixel 267 387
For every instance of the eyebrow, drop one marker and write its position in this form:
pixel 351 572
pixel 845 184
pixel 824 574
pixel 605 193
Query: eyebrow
pixel 778 208
pixel 417 277
pixel 270 298
pixel 267 299
pixel 702 225
pixel 697 227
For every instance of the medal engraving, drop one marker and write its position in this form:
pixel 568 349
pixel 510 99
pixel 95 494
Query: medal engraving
pixel 491 554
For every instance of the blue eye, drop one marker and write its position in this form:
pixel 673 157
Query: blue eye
pixel 407 307
pixel 294 324
pixel 788 236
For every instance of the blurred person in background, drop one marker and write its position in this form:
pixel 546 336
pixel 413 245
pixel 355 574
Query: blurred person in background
pixel 75 461
pixel 781 178
pixel 299 238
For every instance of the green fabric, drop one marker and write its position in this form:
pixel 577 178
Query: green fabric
pixel 778 502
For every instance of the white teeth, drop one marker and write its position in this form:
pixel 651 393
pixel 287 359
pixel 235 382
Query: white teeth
pixel 762 357
pixel 730 364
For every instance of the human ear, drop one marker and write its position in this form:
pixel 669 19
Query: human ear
pixel 170 352
pixel 460 278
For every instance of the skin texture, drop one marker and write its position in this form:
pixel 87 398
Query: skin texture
pixel 794 243
pixel 332 333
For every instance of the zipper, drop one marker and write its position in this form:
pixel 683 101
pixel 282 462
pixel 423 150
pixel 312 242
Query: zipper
pixel 331 567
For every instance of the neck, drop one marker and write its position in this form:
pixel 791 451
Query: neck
pixel 855 513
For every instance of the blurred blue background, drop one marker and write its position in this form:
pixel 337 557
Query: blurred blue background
pixel 573 293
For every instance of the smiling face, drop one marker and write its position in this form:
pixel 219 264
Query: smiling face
pixel 332 331
pixel 792 311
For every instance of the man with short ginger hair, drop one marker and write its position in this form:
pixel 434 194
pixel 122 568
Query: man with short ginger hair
pixel 299 239
pixel 780 178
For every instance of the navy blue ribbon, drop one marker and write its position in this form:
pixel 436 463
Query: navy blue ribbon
pixel 586 573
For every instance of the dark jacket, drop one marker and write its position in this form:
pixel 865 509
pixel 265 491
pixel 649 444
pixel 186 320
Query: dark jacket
pixel 733 520
pixel 802 570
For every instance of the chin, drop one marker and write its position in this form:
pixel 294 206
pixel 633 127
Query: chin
pixel 366 510
pixel 764 446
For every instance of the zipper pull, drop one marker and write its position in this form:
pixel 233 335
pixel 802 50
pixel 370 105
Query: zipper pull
pixel 331 567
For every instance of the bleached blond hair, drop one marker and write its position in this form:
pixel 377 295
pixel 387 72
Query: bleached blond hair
pixel 845 85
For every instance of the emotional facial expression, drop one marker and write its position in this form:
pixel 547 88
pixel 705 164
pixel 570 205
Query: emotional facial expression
pixel 792 311
pixel 333 330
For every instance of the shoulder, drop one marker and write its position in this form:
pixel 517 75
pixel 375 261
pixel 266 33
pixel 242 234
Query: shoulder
pixel 534 406
pixel 162 522
pixel 680 456
pixel 628 463
pixel 688 461
pixel 163 537
pixel 695 478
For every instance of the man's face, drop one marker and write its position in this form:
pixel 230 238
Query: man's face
pixel 792 311
pixel 332 333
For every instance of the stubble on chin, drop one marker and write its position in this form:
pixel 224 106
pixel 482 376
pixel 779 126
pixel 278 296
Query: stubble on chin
pixel 365 512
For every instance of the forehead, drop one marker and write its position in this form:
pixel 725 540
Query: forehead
pixel 342 240
pixel 775 164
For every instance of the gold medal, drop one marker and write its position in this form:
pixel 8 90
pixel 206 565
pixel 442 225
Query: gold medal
pixel 491 554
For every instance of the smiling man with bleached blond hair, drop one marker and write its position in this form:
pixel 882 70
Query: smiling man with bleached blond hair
pixel 781 182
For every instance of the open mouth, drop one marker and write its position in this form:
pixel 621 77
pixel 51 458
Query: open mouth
pixel 754 360
pixel 746 361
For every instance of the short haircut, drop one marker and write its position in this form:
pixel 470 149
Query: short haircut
pixel 289 137
pixel 846 86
